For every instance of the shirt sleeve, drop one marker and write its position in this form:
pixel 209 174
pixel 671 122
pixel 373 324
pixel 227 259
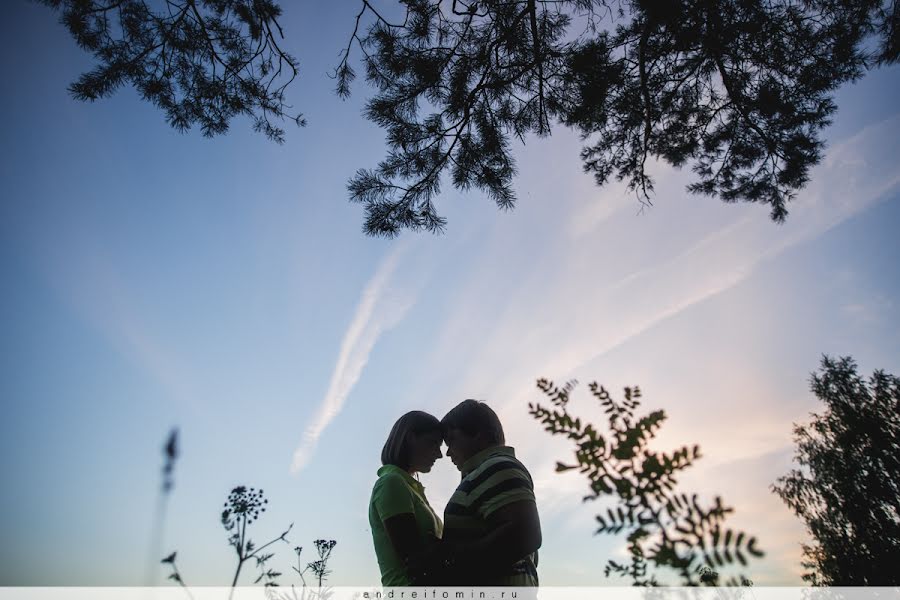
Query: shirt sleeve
pixel 393 498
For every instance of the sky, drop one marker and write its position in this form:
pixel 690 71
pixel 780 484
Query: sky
pixel 154 279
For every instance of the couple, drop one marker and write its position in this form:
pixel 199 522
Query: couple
pixel 491 531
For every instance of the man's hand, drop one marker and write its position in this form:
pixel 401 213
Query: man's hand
pixel 430 566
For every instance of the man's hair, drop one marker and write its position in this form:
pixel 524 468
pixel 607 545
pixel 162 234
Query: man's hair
pixel 473 417
pixel 396 448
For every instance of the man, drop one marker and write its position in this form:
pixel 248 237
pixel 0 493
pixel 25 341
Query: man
pixel 491 527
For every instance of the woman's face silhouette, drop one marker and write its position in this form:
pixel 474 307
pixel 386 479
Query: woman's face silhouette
pixel 424 450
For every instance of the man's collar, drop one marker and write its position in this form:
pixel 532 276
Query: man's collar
pixel 473 463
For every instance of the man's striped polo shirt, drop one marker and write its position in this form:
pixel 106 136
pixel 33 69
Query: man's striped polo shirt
pixel 491 479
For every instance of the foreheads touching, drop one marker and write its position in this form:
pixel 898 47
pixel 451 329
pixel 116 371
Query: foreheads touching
pixel 470 427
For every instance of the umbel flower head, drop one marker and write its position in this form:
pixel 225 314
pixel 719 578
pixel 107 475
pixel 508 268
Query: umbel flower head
pixel 243 503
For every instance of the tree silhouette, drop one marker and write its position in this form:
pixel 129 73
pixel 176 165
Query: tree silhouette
pixel 201 61
pixel 847 486
pixel 664 528
pixel 737 89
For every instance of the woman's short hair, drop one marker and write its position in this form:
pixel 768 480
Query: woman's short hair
pixel 473 417
pixel 396 448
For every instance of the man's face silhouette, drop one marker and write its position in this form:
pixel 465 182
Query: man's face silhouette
pixel 462 446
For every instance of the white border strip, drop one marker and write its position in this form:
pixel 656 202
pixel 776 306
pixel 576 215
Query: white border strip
pixel 448 593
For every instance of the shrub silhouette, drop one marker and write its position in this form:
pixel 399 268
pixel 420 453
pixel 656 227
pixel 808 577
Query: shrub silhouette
pixel 663 527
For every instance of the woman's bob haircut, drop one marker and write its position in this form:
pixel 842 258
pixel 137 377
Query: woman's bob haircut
pixel 396 448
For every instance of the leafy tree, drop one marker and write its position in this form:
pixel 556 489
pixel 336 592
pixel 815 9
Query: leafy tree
pixel 201 61
pixel 664 528
pixel 847 486
pixel 737 89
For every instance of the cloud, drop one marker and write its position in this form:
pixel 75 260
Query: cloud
pixel 592 289
pixel 380 308
pixel 86 276
pixel 581 313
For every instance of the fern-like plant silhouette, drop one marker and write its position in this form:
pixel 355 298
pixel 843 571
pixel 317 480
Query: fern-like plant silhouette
pixel 664 528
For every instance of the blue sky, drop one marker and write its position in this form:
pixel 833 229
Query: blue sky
pixel 154 279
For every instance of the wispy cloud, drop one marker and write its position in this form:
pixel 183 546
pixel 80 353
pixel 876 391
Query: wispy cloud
pixel 596 295
pixel 380 308
pixel 87 277
pixel 581 311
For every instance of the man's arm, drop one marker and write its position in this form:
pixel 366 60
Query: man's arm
pixel 514 533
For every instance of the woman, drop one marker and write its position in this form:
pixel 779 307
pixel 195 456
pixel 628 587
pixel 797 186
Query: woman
pixel 404 525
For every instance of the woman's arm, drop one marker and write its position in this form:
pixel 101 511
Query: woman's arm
pixel 423 557
pixel 404 535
